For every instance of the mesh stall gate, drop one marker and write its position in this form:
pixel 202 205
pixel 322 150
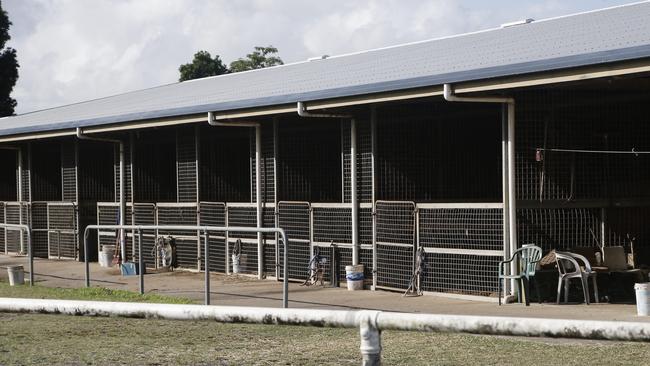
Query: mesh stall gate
pixel 143 214
pixel 243 214
pixel 395 243
pixel 187 244
pixel 269 241
pixel 293 217
pixel 39 229
pixel 464 243
pixel 214 214
pixel 62 225
pixel 108 214
pixel 15 240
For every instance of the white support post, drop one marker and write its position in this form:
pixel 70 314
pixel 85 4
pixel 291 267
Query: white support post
pixel 353 192
pixel 506 190
pixel 258 195
pixel 19 155
pixel 512 188
pixel 373 139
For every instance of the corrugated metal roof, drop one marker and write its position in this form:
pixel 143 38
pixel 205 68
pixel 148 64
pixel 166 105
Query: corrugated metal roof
pixel 608 35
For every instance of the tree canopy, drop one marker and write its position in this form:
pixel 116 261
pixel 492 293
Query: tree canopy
pixel 203 65
pixel 260 58
pixel 8 67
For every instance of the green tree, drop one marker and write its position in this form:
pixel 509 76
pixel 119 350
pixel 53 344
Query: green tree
pixel 203 65
pixel 8 67
pixel 260 58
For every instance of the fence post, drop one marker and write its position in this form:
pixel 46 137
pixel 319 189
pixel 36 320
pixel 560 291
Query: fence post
pixel 206 254
pixel 140 262
pixel 370 338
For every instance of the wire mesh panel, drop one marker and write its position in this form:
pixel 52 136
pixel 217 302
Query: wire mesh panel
pixel 269 241
pixel 293 217
pixel 214 214
pixel 186 169
pixel 107 214
pixel 244 214
pixel 16 213
pixel 39 229
pixel 558 228
pixel 62 230
pixel 461 228
pixel 69 170
pixel 364 160
pixel 395 225
pixel 144 214
pixel 186 241
pixel 463 245
pixel 128 171
pixel 461 273
pixel 332 223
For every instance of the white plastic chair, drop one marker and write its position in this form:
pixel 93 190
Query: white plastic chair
pixel 568 268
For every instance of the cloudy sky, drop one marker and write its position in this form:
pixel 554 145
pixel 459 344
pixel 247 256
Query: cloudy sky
pixel 74 50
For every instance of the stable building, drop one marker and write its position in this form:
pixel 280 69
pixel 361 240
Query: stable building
pixel 466 146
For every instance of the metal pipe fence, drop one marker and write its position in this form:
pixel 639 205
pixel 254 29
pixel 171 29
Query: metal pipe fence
pixel 195 228
pixel 369 322
pixel 30 252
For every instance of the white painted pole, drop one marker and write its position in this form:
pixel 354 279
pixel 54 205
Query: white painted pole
pixel 353 192
pixel 512 190
pixel 258 196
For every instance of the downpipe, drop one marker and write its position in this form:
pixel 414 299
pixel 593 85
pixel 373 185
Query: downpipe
pixel 80 135
pixel 258 180
pixel 302 112
pixel 508 172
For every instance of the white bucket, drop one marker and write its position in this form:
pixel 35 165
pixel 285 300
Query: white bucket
pixel 16 275
pixel 354 277
pixel 106 256
pixel 642 298
pixel 235 263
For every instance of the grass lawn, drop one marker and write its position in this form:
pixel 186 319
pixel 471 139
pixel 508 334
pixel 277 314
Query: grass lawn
pixel 60 339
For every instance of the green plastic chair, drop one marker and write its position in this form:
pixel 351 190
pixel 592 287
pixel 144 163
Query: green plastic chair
pixel 526 258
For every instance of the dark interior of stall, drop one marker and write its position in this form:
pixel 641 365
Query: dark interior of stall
pixel 309 160
pixel 95 184
pixel 225 169
pixel 8 175
pixel 154 166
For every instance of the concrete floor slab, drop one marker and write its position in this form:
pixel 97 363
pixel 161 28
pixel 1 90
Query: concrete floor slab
pixel 237 290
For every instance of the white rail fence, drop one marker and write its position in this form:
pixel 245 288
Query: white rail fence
pixel 370 323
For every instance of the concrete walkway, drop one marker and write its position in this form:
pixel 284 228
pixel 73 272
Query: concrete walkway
pixel 246 291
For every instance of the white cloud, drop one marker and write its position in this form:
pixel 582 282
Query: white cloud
pixel 73 50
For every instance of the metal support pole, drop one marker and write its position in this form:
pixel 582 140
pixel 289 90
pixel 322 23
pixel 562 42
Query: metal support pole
pixel 370 338
pixel 86 263
pixel 206 259
pixel 353 191
pixel 285 267
pixel 122 204
pixel 258 195
pixel 505 189
pixel 512 191
pixel 373 139
pixel 30 253
pixel 20 195
pixel 140 262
